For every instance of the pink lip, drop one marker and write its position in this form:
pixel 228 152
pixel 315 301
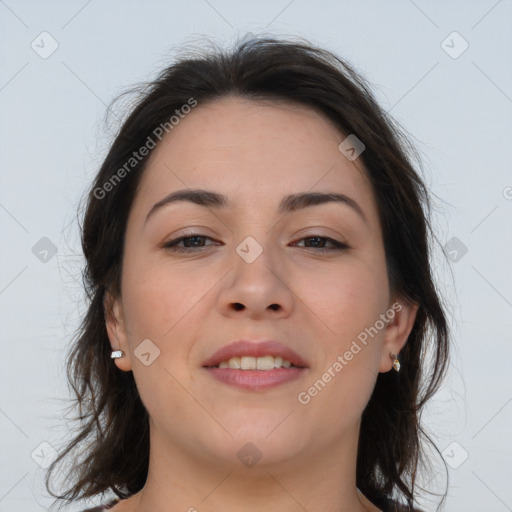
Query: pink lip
pixel 255 349
pixel 255 380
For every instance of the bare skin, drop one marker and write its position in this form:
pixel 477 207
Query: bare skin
pixel 189 304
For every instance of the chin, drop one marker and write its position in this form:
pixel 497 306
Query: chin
pixel 253 445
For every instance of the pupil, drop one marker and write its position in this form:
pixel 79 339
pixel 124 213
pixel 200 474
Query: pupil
pixel 189 240
pixel 318 239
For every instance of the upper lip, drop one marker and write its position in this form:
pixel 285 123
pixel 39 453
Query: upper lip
pixel 255 349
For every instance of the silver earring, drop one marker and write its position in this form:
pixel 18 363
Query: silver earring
pixel 116 354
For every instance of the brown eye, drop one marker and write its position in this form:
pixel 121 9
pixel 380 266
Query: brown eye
pixel 189 243
pixel 319 242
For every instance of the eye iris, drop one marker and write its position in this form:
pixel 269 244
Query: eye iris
pixel 187 241
pixel 318 240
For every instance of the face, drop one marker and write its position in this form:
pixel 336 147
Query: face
pixel 311 277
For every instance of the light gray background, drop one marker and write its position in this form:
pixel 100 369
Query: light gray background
pixel 457 110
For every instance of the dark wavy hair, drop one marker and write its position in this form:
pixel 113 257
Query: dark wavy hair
pixel 110 447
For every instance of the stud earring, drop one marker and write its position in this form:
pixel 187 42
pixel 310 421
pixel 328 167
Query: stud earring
pixel 396 362
pixel 116 354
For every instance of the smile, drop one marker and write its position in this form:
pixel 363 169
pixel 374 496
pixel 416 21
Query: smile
pixel 265 363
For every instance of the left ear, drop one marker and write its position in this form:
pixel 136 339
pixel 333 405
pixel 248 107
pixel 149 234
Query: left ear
pixel 116 330
pixel 401 315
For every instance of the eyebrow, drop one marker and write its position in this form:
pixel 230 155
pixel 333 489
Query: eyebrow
pixel 290 203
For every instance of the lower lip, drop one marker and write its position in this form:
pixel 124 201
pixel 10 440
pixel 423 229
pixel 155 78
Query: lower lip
pixel 256 380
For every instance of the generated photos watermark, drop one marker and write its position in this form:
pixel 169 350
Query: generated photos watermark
pixel 139 155
pixel 304 397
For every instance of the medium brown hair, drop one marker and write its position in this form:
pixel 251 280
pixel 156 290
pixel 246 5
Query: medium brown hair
pixel 110 449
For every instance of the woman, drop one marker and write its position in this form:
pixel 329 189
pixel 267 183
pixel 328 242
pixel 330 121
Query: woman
pixel 261 297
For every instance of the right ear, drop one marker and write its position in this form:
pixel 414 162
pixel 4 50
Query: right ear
pixel 116 329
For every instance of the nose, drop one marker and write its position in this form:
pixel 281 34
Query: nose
pixel 257 288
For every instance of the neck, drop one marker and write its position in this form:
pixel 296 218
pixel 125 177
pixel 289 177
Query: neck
pixel 181 479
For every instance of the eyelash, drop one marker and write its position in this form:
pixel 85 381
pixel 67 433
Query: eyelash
pixel 172 244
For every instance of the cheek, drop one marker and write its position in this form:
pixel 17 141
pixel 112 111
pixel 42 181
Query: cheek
pixel 160 298
pixel 167 305
pixel 347 298
pixel 159 304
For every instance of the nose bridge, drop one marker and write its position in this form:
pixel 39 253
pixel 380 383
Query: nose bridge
pixel 259 243
pixel 255 261
pixel 255 282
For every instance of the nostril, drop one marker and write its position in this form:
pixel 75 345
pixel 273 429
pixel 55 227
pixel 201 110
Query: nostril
pixel 238 306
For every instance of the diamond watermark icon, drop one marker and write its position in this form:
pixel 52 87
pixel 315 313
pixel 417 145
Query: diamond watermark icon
pixel 249 454
pixel 44 454
pixel 44 45
pixel 454 45
pixel 147 352
pixel 249 249
pixel 351 147
pixel 455 455
pixel 44 250
pixel 455 249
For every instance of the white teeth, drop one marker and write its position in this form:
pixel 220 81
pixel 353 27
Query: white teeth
pixel 255 363
pixel 265 363
pixel 248 363
pixel 234 362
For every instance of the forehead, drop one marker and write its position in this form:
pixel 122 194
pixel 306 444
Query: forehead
pixel 255 152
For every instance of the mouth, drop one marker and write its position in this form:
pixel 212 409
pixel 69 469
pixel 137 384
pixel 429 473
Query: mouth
pixel 255 366
pixel 264 363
